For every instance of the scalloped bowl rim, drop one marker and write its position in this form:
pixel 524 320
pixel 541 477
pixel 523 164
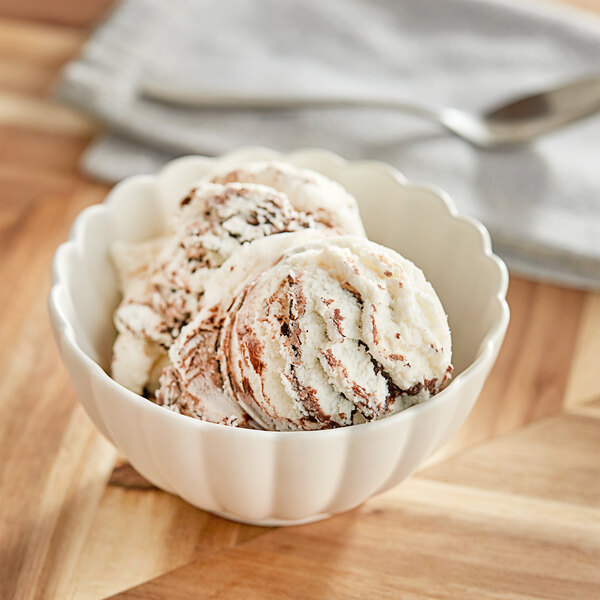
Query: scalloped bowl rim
pixel 495 333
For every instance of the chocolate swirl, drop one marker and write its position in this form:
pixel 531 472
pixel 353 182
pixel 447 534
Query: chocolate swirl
pixel 339 331
pixel 308 192
pixel 163 289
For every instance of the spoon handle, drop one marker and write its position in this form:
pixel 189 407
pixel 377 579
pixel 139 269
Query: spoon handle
pixel 518 121
pixel 196 98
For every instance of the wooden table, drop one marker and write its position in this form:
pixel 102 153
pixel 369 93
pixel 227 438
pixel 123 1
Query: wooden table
pixel 509 509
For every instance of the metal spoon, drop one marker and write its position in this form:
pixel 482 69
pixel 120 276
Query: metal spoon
pixel 515 122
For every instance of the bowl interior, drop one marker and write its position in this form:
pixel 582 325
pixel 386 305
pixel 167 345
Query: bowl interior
pixel 412 220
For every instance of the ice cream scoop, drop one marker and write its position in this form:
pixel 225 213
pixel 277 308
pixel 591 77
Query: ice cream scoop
pixel 194 384
pixel 164 281
pixel 336 331
pixel 212 222
pixel 308 192
pixel 137 348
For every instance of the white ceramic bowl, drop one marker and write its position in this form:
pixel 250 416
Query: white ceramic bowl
pixel 264 477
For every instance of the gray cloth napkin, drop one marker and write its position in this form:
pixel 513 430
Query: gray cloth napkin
pixel 541 203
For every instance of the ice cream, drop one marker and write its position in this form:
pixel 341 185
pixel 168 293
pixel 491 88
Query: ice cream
pixel 333 331
pixel 163 281
pixel 308 192
pixel 265 306
pixel 213 221
pixel 141 342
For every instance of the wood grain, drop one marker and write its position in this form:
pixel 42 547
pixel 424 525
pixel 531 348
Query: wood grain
pixel 584 382
pixel 553 459
pixel 508 509
pixel 34 43
pixel 23 149
pixel 148 531
pixel 530 376
pixel 53 460
pixel 42 115
pixel 448 537
pixel 82 14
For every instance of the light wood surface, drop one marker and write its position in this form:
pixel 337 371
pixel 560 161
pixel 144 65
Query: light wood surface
pixel 510 508
pixel 458 530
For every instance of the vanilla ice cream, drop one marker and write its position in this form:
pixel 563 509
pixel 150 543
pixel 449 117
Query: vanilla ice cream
pixel 163 281
pixel 138 347
pixel 308 192
pixel 305 332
